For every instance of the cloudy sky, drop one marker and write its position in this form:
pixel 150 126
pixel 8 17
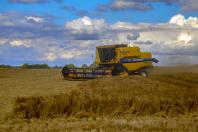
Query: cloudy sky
pixel 57 32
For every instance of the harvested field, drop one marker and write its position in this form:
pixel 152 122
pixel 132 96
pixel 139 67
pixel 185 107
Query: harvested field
pixel 24 83
pixel 39 100
pixel 164 94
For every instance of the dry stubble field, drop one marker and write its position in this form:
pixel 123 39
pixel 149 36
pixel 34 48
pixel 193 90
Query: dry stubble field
pixel 40 100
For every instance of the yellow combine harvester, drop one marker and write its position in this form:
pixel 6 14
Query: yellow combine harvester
pixel 114 60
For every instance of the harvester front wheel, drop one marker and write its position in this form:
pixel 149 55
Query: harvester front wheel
pixel 65 72
pixel 118 69
pixel 143 74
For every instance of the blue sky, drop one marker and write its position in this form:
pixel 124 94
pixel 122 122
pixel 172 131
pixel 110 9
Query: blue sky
pixel 66 31
pixel 161 12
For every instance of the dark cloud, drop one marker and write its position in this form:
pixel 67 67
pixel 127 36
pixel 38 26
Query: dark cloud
pixel 133 36
pixel 117 5
pixel 126 4
pixel 86 37
pixel 82 13
pixel 147 42
pixel 144 5
pixel 188 5
pixel 32 1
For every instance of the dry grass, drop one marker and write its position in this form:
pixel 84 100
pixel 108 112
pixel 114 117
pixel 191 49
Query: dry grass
pixel 164 94
pixel 104 124
pixel 163 101
pixel 22 82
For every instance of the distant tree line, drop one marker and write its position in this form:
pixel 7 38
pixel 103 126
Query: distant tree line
pixel 35 66
pixel 46 66
pixel 5 66
pixel 27 66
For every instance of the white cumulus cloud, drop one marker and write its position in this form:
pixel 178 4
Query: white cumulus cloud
pixel 18 43
pixel 86 25
pixel 50 56
pixel 186 38
pixel 180 20
pixel 34 19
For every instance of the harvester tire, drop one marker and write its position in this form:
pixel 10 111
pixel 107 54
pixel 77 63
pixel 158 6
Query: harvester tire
pixel 143 74
pixel 118 69
pixel 64 72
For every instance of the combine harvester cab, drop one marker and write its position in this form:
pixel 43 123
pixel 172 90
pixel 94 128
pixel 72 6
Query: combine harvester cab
pixel 114 60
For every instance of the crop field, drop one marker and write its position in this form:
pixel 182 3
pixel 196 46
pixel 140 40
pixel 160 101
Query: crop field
pixel 40 100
